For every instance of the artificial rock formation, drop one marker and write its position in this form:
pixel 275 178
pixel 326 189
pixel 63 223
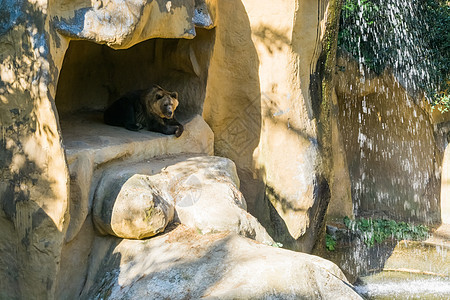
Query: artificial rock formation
pixel 137 200
pixel 204 190
pixel 90 145
pixel 35 200
pixel 207 198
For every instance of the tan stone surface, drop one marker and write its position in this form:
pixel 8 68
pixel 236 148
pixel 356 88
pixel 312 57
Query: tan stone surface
pixel 184 264
pixel 260 105
pixel 207 198
pixel 33 172
pixel 445 187
pixel 134 209
pixel 123 24
pixel 204 190
pixel 421 257
pixel 232 105
pixel 75 262
pixel 341 203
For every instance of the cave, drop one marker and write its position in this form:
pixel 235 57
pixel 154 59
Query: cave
pixel 94 75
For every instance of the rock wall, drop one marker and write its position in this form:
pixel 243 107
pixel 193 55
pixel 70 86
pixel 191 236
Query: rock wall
pixel 34 187
pixel 264 103
pixel 34 176
pixel 445 187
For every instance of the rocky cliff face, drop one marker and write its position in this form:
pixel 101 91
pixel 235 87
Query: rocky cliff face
pixel 258 85
pixel 269 111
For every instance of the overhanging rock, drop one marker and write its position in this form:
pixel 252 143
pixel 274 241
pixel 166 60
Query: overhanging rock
pixel 138 20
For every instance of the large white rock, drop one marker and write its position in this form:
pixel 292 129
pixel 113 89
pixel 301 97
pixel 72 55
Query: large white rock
pixel 207 197
pixel 184 264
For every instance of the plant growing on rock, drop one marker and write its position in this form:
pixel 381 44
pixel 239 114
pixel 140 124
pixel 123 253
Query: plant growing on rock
pixel 375 231
pixel 330 242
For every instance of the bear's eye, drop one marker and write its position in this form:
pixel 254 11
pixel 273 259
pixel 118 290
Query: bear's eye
pixel 166 104
pixel 159 96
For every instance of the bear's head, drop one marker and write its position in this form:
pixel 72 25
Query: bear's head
pixel 161 102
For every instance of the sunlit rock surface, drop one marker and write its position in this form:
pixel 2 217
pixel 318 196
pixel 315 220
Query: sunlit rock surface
pixel 184 264
pixel 135 209
pixel 263 104
pixel 121 24
pixel 204 191
pixel 207 197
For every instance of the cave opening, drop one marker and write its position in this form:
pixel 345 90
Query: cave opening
pixel 93 76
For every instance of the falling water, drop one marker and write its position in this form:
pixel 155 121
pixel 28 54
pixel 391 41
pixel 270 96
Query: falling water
pixel 392 35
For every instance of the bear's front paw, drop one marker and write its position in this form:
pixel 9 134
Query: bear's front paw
pixel 179 131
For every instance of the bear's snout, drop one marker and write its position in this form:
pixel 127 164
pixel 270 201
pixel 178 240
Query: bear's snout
pixel 168 113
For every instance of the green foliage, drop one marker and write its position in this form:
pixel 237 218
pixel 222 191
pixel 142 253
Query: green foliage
pixel 358 33
pixel 277 245
pixel 437 16
pixel 411 37
pixel 330 242
pixel 442 101
pixel 375 231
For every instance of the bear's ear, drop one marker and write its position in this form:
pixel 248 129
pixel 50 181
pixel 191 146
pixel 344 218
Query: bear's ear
pixel 174 95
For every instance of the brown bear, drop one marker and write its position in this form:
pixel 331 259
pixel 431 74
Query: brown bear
pixel 151 108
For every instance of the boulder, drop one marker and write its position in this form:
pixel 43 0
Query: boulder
pixel 207 197
pixel 204 189
pixel 135 210
pixel 184 264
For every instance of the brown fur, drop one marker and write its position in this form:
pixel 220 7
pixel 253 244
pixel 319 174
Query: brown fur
pixel 152 109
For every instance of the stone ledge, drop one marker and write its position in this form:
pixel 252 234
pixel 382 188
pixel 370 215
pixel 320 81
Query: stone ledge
pixel 87 135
